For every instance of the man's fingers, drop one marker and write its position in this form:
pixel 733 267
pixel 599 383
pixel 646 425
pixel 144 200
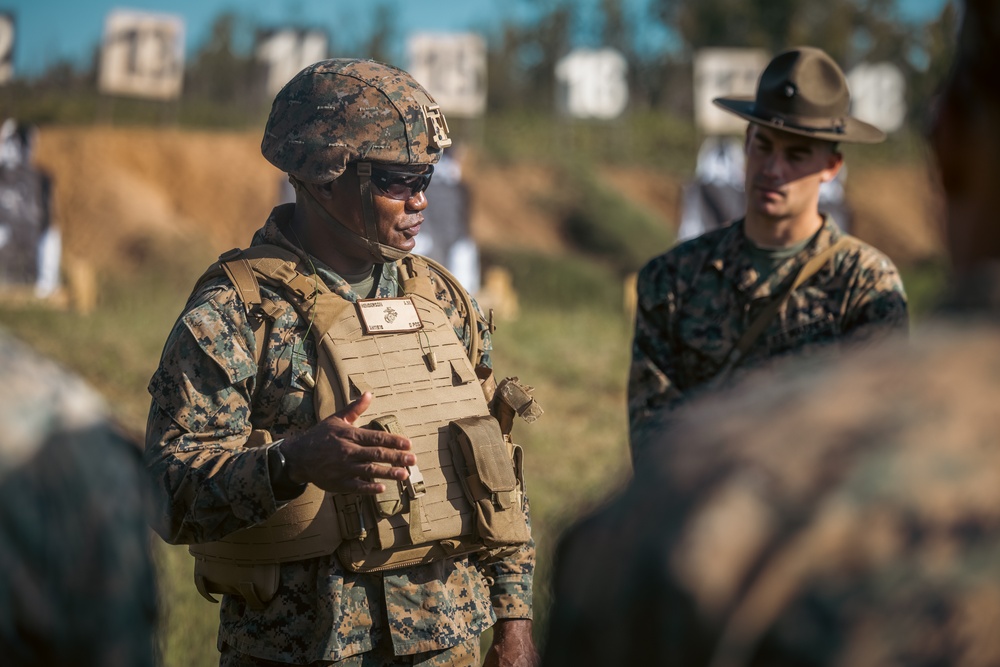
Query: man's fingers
pixel 374 471
pixel 392 457
pixel 359 486
pixel 367 437
pixel 352 412
pixel 365 482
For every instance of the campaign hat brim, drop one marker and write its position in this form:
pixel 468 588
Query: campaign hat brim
pixel 852 130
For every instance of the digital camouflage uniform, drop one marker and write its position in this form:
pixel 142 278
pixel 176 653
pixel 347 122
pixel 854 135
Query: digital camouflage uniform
pixel 207 397
pixel 837 515
pixel 77 585
pixel 696 300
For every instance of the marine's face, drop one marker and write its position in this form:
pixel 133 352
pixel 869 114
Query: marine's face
pixel 398 221
pixel 784 172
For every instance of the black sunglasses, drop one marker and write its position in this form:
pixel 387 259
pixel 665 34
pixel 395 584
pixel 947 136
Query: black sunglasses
pixel 401 185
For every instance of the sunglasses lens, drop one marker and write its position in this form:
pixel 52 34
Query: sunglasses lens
pixel 400 184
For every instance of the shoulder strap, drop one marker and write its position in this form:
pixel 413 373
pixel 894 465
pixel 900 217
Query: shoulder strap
pixel 241 267
pixel 757 327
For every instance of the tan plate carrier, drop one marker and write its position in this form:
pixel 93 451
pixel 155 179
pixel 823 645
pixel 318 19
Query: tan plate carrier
pixel 465 495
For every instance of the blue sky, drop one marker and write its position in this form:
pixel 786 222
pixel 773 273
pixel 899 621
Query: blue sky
pixel 53 30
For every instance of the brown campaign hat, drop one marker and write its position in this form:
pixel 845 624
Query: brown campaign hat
pixel 803 91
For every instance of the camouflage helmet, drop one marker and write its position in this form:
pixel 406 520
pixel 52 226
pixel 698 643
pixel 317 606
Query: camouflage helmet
pixel 344 110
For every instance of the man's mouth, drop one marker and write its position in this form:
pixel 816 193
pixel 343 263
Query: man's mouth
pixel 412 230
pixel 769 191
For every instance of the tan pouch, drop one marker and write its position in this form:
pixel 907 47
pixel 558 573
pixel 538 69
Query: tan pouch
pixel 491 481
pixel 256 584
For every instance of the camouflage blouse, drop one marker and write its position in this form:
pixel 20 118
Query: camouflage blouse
pixel 207 397
pixel 696 300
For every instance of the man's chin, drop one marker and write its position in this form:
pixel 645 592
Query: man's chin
pixel 406 245
pixel 766 211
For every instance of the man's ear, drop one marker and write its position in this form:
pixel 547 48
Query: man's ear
pixel 834 161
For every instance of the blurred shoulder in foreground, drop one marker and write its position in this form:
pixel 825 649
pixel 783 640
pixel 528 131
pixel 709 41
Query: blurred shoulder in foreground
pixel 78 583
pixel 846 515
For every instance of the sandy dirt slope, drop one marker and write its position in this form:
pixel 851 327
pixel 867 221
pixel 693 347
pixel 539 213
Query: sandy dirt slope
pixel 118 189
pixel 897 209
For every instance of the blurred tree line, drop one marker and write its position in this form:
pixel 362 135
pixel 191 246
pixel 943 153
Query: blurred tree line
pixel 223 83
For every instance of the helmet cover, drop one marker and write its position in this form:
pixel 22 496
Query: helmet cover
pixel 344 110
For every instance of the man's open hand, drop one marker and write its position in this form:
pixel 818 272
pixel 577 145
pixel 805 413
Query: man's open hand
pixel 339 457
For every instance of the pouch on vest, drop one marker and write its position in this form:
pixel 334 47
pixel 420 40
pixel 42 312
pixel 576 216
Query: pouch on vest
pixel 256 584
pixel 395 528
pixel 491 481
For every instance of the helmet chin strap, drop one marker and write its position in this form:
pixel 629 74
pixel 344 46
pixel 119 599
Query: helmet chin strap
pixel 379 253
pixel 388 253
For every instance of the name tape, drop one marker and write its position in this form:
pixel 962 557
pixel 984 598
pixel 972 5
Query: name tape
pixel 397 315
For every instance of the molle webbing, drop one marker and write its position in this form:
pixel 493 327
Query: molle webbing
pixel 422 381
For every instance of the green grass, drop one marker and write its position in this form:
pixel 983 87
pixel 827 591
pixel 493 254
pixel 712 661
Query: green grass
pixel 924 284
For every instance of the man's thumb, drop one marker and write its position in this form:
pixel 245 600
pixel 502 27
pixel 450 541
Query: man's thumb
pixel 352 412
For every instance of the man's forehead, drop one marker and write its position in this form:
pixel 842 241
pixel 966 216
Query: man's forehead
pixel 788 139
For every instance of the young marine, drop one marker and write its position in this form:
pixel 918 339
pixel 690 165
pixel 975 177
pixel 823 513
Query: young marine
pixel 325 429
pixel 783 278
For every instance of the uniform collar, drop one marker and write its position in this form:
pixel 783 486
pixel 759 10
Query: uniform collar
pixel 274 233
pixel 731 258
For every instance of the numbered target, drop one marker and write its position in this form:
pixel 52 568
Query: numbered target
pixel 724 73
pixel 452 67
pixel 878 95
pixel 142 55
pixel 593 83
pixel 288 51
pixel 6 47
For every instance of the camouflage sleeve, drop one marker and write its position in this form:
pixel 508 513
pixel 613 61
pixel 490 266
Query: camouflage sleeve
pixel 877 301
pixel 206 482
pixel 651 386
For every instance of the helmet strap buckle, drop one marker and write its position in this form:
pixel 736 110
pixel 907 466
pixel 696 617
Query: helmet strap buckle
pixel 437 126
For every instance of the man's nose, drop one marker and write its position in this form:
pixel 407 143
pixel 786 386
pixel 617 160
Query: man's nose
pixel 417 202
pixel 774 167
pixel 773 164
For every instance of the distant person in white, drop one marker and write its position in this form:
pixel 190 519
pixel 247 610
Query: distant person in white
pixel 444 236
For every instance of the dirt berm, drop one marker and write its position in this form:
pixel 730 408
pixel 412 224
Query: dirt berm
pixel 119 190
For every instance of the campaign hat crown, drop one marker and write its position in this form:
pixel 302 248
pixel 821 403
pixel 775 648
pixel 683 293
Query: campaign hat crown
pixel 343 110
pixel 804 92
